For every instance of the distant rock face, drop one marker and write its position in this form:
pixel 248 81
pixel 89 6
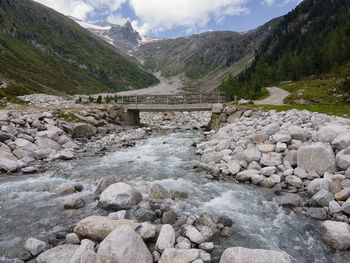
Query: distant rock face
pixel 246 255
pixel 123 245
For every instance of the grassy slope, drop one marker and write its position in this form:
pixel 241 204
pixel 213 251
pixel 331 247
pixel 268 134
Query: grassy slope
pixel 45 51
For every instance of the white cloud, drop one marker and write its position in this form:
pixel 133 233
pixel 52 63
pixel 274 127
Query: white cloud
pixel 117 19
pixel 268 2
pixel 160 15
pixel 81 8
pixel 284 2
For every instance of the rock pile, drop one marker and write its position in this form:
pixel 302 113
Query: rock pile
pixel 29 140
pixel 304 154
pixel 164 237
pixel 187 119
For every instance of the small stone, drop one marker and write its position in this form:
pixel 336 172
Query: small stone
pixel 193 234
pixel 72 238
pixel 294 181
pixel 288 200
pixel 268 171
pixel 321 199
pixel 169 217
pixel 147 231
pixel 166 238
pixel 343 195
pixel 74 203
pixel 300 172
pixel 336 234
pixel 228 232
pixel 207 246
pixel 225 220
pixel 317 213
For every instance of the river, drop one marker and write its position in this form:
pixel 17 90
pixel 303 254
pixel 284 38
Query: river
pixel 31 207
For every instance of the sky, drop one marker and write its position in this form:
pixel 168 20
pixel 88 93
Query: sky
pixel 175 18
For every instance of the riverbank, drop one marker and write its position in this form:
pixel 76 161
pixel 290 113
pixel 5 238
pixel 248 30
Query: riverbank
pixel 206 216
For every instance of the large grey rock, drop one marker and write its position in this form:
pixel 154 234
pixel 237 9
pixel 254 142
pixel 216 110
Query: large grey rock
pixel 166 238
pixel 343 195
pixel 321 199
pixel 343 159
pixel 159 192
pixel 316 158
pixel 281 137
pixel 147 231
pixel 294 181
pixel 86 245
pixel 46 143
pixel 271 159
pixel 174 255
pixel 83 130
pixel 327 134
pixel 251 155
pixel 8 162
pixel 88 257
pixel 300 172
pixel 268 171
pixel 336 234
pixel 288 200
pixel 98 227
pixel 271 129
pixel 234 167
pixel 103 184
pixel 34 246
pixel 246 255
pixel 334 207
pixel 213 156
pixel 4 136
pixel 299 133
pixel 193 234
pixel 342 141
pixel 59 254
pixel 25 144
pixel 317 213
pixel 123 245
pixel 317 185
pixel 246 175
pixel 73 203
pixel 120 196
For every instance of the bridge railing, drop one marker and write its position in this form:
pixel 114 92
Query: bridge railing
pixel 172 99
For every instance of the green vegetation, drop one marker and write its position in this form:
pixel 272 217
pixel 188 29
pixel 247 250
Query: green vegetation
pixel 69 116
pixel 47 52
pixel 308 43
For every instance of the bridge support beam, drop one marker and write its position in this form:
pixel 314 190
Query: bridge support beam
pixel 132 117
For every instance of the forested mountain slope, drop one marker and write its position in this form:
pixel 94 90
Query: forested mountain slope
pixel 312 41
pixel 42 50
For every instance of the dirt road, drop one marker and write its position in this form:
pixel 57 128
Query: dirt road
pixel 276 97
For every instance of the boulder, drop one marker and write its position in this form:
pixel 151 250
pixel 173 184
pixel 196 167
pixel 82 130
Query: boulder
pixel 174 255
pixel 8 162
pixel 246 255
pixel 281 137
pixel 98 227
pixel 104 183
pixel 336 234
pixel 166 238
pixel 246 175
pixel 159 192
pixel 317 185
pixel 147 231
pixel 317 213
pixel 46 143
pixel 88 257
pixel 25 144
pixel 271 129
pixel 34 246
pixel 294 181
pixel 342 141
pixel 316 158
pixel 123 245
pixel 234 167
pixel 120 196
pixel 169 217
pixel 193 234
pixel 266 148
pixel 334 207
pixel 213 156
pixel 86 245
pixel 74 203
pixel 321 199
pixel 271 159
pixel 343 195
pixel 225 220
pixel 268 171
pixel 59 254
pixel 72 238
pixel 328 133
pixel 288 200
pixel 343 159
pixel 299 133
pixel 251 155
pixel 84 130
pixel 143 215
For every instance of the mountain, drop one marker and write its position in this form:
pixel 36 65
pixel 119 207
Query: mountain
pixel 42 50
pixel 203 59
pixel 124 37
pixel 310 44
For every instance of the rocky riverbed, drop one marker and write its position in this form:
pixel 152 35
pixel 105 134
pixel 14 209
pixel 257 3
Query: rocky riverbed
pixel 152 203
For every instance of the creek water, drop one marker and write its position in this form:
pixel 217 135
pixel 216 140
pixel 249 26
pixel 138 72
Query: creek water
pixel 31 207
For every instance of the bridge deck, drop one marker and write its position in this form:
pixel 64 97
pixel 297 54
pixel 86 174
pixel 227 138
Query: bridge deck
pixel 168 107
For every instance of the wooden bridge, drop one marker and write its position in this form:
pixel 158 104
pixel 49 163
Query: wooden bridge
pixel 133 105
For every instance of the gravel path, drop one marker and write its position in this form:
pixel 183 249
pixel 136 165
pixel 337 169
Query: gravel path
pixel 276 97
